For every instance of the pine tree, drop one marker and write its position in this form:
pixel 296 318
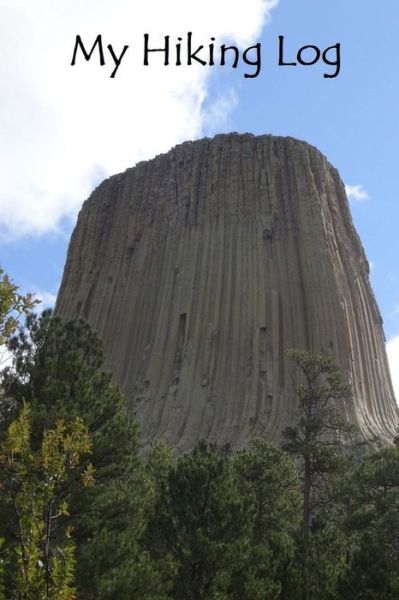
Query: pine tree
pixel 373 522
pixel 223 524
pixel 12 306
pixel 41 553
pixel 58 368
pixel 268 483
pixel 198 524
pixel 320 440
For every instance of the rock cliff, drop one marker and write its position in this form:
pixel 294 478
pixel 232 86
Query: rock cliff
pixel 199 268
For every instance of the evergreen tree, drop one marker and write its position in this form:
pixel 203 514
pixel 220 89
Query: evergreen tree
pixel 199 524
pixel 58 368
pixel 210 525
pixel 320 440
pixel 41 554
pixel 373 520
pixel 268 483
pixel 223 524
pixel 12 306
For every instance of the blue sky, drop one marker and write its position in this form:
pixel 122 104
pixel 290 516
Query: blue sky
pixel 66 128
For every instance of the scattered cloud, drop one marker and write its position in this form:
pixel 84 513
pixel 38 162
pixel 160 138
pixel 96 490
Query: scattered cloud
pixel 63 127
pixel 356 193
pixel 47 299
pixel 393 357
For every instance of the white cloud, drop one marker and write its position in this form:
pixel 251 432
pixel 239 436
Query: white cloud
pixel 47 299
pixel 356 193
pixel 62 126
pixel 393 357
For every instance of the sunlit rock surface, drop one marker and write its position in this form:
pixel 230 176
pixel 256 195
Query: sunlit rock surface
pixel 199 268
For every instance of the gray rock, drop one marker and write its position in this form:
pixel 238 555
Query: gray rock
pixel 199 268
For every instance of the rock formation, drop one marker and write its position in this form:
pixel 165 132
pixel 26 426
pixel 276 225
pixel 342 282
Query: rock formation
pixel 199 268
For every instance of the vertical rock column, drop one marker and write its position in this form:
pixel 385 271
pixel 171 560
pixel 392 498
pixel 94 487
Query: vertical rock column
pixel 199 268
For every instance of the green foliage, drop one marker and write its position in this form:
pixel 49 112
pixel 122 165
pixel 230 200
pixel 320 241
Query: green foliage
pixel 96 523
pixel 159 464
pixel 320 432
pixel 322 397
pixel 198 523
pixel 12 305
pixel 42 554
pixel 223 525
pixel 320 440
pixel 58 368
pixel 268 483
pixel 373 519
pixel 2 569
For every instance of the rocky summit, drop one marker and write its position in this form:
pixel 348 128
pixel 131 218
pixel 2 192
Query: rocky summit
pixel 201 267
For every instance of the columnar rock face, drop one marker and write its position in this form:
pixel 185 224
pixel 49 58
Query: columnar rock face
pixel 199 268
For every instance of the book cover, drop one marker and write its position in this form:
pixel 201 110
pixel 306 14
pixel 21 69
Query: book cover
pixel 212 187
